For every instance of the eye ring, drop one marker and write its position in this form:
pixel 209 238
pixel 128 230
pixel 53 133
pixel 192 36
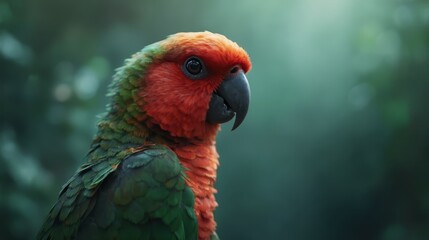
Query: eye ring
pixel 194 68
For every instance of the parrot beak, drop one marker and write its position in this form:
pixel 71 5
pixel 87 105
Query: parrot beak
pixel 230 99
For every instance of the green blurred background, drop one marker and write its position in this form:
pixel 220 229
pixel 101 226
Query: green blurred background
pixel 336 143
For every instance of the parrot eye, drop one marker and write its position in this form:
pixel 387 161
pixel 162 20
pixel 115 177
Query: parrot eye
pixel 194 68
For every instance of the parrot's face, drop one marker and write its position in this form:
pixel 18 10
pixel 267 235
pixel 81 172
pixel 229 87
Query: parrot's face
pixel 198 82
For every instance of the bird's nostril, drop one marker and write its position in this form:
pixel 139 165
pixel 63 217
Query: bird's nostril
pixel 234 70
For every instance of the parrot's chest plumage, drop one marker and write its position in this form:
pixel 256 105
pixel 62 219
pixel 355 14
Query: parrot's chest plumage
pixel 201 162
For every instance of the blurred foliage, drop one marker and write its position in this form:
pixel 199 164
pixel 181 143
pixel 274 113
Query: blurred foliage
pixel 336 144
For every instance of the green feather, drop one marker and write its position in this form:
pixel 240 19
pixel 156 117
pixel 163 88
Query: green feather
pixel 158 194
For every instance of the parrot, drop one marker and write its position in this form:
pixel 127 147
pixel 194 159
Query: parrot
pixel 151 166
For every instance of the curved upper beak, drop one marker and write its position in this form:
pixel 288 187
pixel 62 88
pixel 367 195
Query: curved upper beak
pixel 231 99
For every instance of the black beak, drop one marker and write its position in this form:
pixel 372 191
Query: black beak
pixel 230 99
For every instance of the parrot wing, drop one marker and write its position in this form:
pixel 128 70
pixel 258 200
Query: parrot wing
pixel 142 197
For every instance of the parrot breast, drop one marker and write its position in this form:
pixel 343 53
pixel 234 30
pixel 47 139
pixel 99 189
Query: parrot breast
pixel 201 162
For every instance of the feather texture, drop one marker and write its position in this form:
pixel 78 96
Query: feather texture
pixel 147 189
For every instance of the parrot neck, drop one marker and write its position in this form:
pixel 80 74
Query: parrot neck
pixel 201 161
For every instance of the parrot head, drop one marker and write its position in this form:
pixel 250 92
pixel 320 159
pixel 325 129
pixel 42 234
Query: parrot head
pixel 192 83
